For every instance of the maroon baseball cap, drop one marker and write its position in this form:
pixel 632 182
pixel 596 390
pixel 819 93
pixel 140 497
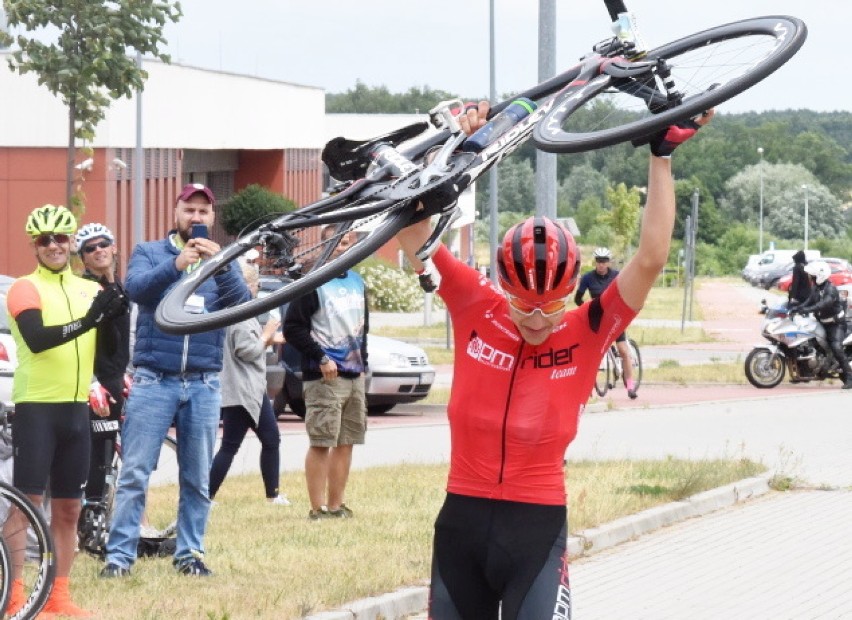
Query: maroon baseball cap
pixel 190 189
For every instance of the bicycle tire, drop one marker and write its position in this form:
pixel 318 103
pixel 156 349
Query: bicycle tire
pixel 701 68
pixel 33 560
pixel 603 379
pixel 5 576
pixel 96 519
pixel 636 358
pixel 376 224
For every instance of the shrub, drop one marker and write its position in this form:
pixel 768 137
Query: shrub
pixel 250 207
pixel 390 289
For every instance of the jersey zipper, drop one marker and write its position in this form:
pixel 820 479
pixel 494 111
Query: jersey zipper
pixel 506 414
pixel 185 355
pixel 76 342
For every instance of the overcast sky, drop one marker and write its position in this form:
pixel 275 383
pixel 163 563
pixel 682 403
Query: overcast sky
pixel 445 43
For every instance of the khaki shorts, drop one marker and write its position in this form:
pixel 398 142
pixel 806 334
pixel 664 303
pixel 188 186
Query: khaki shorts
pixel 336 412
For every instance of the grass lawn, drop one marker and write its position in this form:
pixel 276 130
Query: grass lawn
pixel 270 562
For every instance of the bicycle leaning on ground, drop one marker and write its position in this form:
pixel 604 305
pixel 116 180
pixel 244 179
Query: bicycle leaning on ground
pixel 620 91
pixel 611 369
pixel 38 570
pixel 96 517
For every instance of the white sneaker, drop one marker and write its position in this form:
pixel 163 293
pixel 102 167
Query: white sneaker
pixel 280 500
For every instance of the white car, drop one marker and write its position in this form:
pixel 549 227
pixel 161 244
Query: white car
pixel 8 351
pixel 399 373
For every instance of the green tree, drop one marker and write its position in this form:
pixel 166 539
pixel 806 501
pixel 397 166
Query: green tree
pixel 624 217
pixel 582 182
pixel 710 222
pixel 783 201
pixel 515 188
pixel 588 214
pixel 365 99
pixel 87 63
pixel 251 207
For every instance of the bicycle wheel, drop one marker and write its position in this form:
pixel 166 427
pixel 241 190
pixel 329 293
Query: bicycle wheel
pixel 604 377
pixel 159 521
pixel 5 576
pixel 707 68
pixel 636 358
pixel 27 537
pixel 292 242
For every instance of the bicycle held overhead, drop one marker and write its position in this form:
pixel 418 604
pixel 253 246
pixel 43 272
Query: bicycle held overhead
pixel 402 177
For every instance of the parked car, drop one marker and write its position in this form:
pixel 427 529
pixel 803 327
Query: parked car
pixel 769 277
pixel 8 355
pixel 841 274
pixel 772 260
pixel 398 372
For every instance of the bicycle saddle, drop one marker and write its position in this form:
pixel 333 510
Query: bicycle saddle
pixel 347 160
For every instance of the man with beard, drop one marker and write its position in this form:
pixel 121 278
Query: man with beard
pixel 176 381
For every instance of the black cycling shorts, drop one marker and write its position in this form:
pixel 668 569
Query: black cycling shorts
pixel 51 441
pixel 489 553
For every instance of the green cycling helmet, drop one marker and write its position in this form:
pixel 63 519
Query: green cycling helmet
pixel 51 219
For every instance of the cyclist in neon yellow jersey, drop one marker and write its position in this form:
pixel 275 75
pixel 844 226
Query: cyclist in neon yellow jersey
pixel 57 316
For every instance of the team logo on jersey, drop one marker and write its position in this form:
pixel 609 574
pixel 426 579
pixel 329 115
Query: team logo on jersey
pixel 486 354
pixel 489 316
pixel 614 331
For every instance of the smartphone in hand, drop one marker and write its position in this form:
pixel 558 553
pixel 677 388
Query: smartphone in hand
pixel 199 230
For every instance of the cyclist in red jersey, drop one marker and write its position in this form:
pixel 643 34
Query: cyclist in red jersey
pixel 524 367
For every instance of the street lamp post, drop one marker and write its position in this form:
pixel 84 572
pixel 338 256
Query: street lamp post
pixel 805 187
pixel 760 170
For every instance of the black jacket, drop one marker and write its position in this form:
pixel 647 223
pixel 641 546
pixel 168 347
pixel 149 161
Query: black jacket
pixel 800 286
pixel 825 303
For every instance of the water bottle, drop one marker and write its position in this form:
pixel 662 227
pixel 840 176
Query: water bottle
pixel 514 113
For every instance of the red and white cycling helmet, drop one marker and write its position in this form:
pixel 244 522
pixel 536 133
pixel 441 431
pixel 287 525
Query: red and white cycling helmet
pixel 538 261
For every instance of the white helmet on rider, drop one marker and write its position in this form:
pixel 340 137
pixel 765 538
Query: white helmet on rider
pixel 819 269
pixel 602 254
pixel 93 231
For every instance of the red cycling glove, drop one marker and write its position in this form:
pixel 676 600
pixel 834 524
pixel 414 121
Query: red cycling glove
pixel 664 143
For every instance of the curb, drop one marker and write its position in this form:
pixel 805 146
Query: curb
pixel 412 600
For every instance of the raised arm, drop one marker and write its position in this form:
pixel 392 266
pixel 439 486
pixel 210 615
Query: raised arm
pixel 638 276
pixel 413 237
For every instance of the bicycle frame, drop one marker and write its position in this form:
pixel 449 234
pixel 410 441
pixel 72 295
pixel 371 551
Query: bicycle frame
pixel 400 187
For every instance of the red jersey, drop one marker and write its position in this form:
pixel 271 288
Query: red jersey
pixel 513 406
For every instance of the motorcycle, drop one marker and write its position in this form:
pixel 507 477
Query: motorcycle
pixel 796 345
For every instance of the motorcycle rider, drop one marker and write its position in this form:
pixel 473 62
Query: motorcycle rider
pixel 824 302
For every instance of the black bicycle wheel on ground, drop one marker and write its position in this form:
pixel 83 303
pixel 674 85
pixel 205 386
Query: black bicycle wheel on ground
pixel 636 358
pixel 604 377
pixel 96 518
pixel 27 537
pixel 298 237
pixel 707 68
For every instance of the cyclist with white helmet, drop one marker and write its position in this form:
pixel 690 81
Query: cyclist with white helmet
pixel 57 319
pixel 595 282
pixel 825 304
pixel 97 250
pixel 524 367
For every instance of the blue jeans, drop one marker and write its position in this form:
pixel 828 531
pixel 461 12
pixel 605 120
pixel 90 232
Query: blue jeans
pixel 156 400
